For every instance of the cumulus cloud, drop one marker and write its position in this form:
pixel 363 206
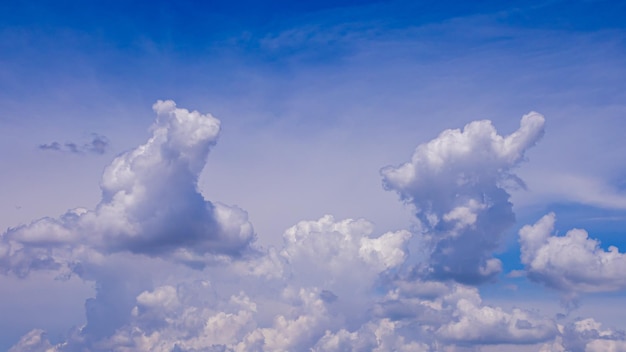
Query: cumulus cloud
pixel 454 314
pixel 34 341
pixel 381 335
pixel 456 184
pixel 586 335
pixel 343 258
pixel 492 325
pixel 573 262
pixel 150 205
pixel 193 316
pixel 333 250
pixel 333 284
pixel 97 145
pixel 335 288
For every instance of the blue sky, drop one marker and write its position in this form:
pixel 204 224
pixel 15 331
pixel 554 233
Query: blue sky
pixel 313 99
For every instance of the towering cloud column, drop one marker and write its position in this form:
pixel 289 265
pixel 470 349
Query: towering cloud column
pixel 456 185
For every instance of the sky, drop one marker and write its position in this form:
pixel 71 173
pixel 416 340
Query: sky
pixel 324 176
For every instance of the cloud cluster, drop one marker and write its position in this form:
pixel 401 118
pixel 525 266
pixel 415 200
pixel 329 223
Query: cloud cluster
pixel 176 272
pixel 329 252
pixel 571 263
pixel 586 335
pixel 191 316
pixel 456 184
pixel 98 145
pixel 150 205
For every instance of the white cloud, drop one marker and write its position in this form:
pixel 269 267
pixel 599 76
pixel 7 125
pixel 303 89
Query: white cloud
pixel 491 325
pixel 181 318
pixel 601 345
pixel 342 258
pixel 378 336
pixel 455 183
pixel 33 341
pixel 334 250
pixel 150 205
pixel 164 296
pixel 573 262
pixel 320 306
pixel 454 314
pixel 229 324
pixel 587 335
pixel 333 285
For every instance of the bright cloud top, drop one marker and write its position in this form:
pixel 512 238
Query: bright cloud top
pixel 456 185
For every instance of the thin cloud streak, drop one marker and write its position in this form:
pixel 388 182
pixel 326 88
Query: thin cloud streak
pixel 98 145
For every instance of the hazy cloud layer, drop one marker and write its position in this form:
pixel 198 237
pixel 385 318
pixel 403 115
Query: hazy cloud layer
pixel 456 183
pixel 176 272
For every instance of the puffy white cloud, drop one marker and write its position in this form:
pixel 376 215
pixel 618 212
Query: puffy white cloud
pixel 160 323
pixel 456 184
pixel 321 307
pixel 586 335
pixel 179 318
pixel 386 251
pixel 317 263
pixel 601 345
pixel 344 259
pixel 573 262
pixel 33 341
pixel 337 248
pixel 453 314
pixel 164 296
pixel 150 205
pixel 491 325
pixel 379 336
